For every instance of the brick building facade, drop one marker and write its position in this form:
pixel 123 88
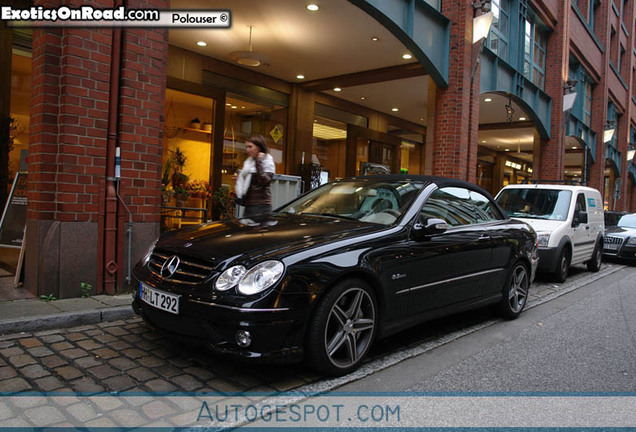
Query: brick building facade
pixel 97 93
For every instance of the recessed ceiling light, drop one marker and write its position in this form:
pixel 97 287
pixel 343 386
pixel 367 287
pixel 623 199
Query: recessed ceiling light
pixel 337 89
pixel 313 7
pixel 234 107
pixel 395 109
pixel 407 56
pixel 300 76
pixel 507 150
pixel 202 43
pixel 362 98
pixel 228 104
pixel 487 100
pixel 522 118
pixel 375 38
pixel 483 141
pixel 242 107
pixel 573 146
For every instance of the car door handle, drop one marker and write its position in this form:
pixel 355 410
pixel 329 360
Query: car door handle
pixel 484 237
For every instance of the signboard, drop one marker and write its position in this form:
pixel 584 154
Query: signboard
pixel 13 219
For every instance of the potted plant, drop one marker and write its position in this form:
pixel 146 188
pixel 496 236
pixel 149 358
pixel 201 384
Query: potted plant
pixel 222 203
pixel 179 178
pixel 180 195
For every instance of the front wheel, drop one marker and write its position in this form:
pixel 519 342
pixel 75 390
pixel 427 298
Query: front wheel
pixel 515 292
pixel 563 267
pixel 342 328
pixel 594 264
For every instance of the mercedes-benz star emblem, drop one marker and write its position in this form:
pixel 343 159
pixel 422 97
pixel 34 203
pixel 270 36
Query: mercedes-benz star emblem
pixel 170 266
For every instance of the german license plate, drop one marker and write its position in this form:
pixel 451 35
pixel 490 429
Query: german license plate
pixel 611 246
pixel 159 299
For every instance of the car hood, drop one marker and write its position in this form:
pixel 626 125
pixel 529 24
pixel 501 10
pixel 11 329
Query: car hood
pixel 620 231
pixel 277 236
pixel 541 225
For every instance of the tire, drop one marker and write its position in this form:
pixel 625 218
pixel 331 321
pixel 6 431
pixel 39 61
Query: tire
pixel 342 328
pixel 563 266
pixel 515 291
pixel 594 264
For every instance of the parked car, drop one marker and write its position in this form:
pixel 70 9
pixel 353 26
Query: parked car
pixel 326 274
pixel 620 240
pixel 568 219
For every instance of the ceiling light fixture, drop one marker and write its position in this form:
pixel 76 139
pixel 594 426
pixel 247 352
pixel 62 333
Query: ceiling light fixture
pixel 249 57
pixel 407 56
pixel 313 7
pixel 510 111
pixel 395 109
pixel 375 38
pixel 300 76
pixel 488 100
pixel 202 43
pixel 337 89
pixel 522 118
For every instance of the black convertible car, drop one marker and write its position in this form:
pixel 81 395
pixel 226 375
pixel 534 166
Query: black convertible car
pixel 326 274
pixel 620 240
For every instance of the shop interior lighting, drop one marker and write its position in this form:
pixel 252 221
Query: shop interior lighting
pixel 337 89
pixel 407 56
pixel 300 76
pixel 395 109
pixel 313 7
pixel 522 118
pixel 249 57
pixel 488 100
pixel 202 44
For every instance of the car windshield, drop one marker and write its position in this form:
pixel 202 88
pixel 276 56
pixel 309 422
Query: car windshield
pixel 551 204
pixel 627 221
pixel 366 200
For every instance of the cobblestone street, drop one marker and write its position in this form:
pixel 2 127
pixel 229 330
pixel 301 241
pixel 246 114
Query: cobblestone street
pixel 128 356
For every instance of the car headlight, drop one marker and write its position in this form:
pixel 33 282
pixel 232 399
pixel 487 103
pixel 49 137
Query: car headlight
pixel 230 278
pixel 631 241
pixel 543 239
pixel 260 277
pixel 149 252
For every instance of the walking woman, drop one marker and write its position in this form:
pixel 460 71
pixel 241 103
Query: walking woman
pixel 252 183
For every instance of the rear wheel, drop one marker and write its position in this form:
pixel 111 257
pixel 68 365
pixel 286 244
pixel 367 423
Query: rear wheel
pixel 594 264
pixel 515 292
pixel 342 328
pixel 563 266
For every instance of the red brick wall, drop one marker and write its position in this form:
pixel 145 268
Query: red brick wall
pixel 453 136
pixel 69 139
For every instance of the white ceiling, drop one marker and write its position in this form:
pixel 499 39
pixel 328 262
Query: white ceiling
pixel 337 40
pixel 334 41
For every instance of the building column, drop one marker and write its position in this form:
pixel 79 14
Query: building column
pixel 68 154
pixel 551 164
pixel 301 129
pixel 453 137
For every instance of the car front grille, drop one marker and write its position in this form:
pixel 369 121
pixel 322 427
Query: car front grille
pixel 189 271
pixel 612 244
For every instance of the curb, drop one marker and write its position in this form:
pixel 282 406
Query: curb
pixel 64 320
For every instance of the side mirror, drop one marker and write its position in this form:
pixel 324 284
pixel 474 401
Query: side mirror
pixel 431 227
pixel 580 217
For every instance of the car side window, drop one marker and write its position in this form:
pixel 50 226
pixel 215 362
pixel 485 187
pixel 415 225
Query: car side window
pixel 485 210
pixel 580 203
pixel 450 204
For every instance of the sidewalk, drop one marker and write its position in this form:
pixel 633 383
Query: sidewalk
pixel 35 314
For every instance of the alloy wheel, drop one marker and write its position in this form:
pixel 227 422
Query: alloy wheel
pixel 518 290
pixel 350 327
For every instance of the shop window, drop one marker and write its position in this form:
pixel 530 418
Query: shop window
pixel 498 40
pixel 410 158
pixel 246 117
pixel 187 152
pixel 329 147
pixel 19 110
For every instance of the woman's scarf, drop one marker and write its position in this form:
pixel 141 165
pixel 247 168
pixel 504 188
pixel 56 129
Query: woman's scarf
pixel 249 167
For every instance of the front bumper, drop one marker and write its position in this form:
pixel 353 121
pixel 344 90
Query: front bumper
pixel 626 252
pixel 276 333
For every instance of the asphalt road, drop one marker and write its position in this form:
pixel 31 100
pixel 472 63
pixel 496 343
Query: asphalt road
pixel 584 341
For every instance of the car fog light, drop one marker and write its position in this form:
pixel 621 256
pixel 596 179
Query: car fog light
pixel 243 338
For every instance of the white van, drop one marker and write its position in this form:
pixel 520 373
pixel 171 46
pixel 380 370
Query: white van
pixel 568 220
